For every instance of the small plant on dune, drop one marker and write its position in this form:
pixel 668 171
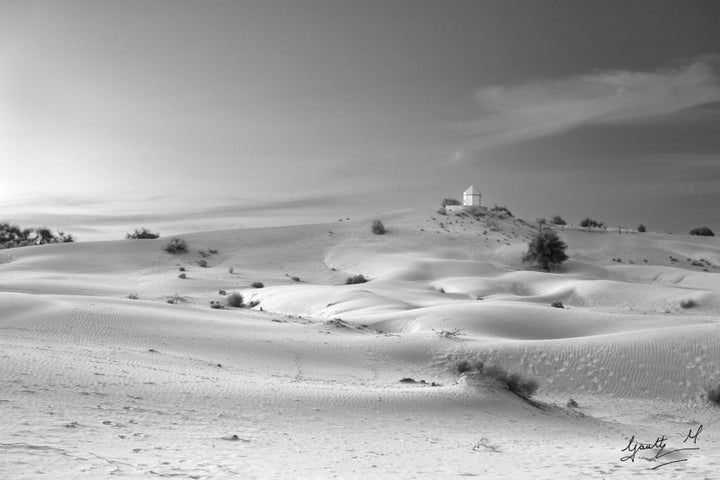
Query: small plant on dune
pixel 142 233
pixel 182 269
pixel 713 394
pixel 203 263
pixel 516 383
pixel 702 231
pixel 492 225
pixel 257 285
pixel 546 250
pixel 216 305
pixel 182 275
pixel 455 332
pixel 231 270
pixel 378 228
pixel 212 251
pixel 235 300
pixel 133 296
pixel 203 253
pixel 176 245
pixel 641 228
pixel 295 278
pixel 689 303
pixel 557 305
pixel 356 279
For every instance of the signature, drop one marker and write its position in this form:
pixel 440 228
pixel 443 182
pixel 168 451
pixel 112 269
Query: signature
pixel 660 449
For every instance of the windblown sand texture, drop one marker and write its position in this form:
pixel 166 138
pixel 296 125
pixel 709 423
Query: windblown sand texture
pixel 306 384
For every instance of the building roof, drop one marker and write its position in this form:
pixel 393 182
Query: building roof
pixel 471 191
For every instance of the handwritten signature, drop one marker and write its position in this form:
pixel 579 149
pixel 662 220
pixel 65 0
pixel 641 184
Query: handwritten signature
pixel 660 446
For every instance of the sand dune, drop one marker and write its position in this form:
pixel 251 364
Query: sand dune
pixel 307 382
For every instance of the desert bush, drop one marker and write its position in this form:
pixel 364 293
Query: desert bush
pixel 455 332
pixel 516 383
pixel 689 303
pixel 492 225
pixel 183 276
pixel 235 300
pixel 212 251
pixel 182 269
pixel 176 245
pixel 295 278
pixel 450 201
pixel 641 228
pixel 12 236
pixel 697 263
pixel 702 231
pixel 142 233
pixel 203 263
pixel 378 228
pixel 590 223
pixel 557 305
pixel 501 211
pixel 216 305
pixel 713 394
pixel 231 270
pixel 546 250
pixel 356 279
pixel 441 211
pixel 203 253
pixel 257 285
pixel 558 220
pixel 133 296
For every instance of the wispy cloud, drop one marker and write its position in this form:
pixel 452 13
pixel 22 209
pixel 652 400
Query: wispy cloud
pixel 543 108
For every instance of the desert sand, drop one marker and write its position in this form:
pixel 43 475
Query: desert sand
pixel 306 383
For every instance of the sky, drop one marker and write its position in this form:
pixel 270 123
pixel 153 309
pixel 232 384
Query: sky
pixel 189 115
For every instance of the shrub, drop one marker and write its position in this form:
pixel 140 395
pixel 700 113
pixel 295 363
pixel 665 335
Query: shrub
pixel 557 305
pixel 455 332
pixel 212 251
pixel 257 285
pixel 450 201
pixel 378 228
pixel 235 300
pixel 355 279
pixel 702 231
pixel 501 212
pixel 689 303
pixel 713 394
pixel 182 269
pixel 558 220
pixel 133 296
pixel 203 263
pixel 231 270
pixel 516 383
pixel 641 228
pixel 546 249
pixel 183 276
pixel 216 305
pixel 142 233
pixel 176 245
pixel 590 223
pixel 295 278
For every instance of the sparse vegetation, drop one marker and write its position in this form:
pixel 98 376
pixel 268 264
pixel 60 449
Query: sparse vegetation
pixel 295 278
pixel 450 201
pixel 183 276
pixel 702 231
pixel 133 296
pixel 355 279
pixel 689 303
pixel 203 263
pixel 235 300
pixel 12 236
pixel 590 223
pixel 142 233
pixel 455 332
pixel 231 270
pixel 641 228
pixel 378 228
pixel 557 305
pixel 516 383
pixel 182 269
pixel 713 394
pixel 558 220
pixel 214 304
pixel 257 285
pixel 176 245
pixel 501 211
pixel 546 250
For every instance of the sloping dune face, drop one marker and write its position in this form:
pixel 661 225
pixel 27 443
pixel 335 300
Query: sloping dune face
pixel 113 364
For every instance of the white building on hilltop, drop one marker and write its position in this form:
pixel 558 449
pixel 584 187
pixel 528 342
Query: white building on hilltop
pixel 472 200
pixel 472 197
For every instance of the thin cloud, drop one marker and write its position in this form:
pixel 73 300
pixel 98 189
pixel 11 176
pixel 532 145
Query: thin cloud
pixel 540 109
